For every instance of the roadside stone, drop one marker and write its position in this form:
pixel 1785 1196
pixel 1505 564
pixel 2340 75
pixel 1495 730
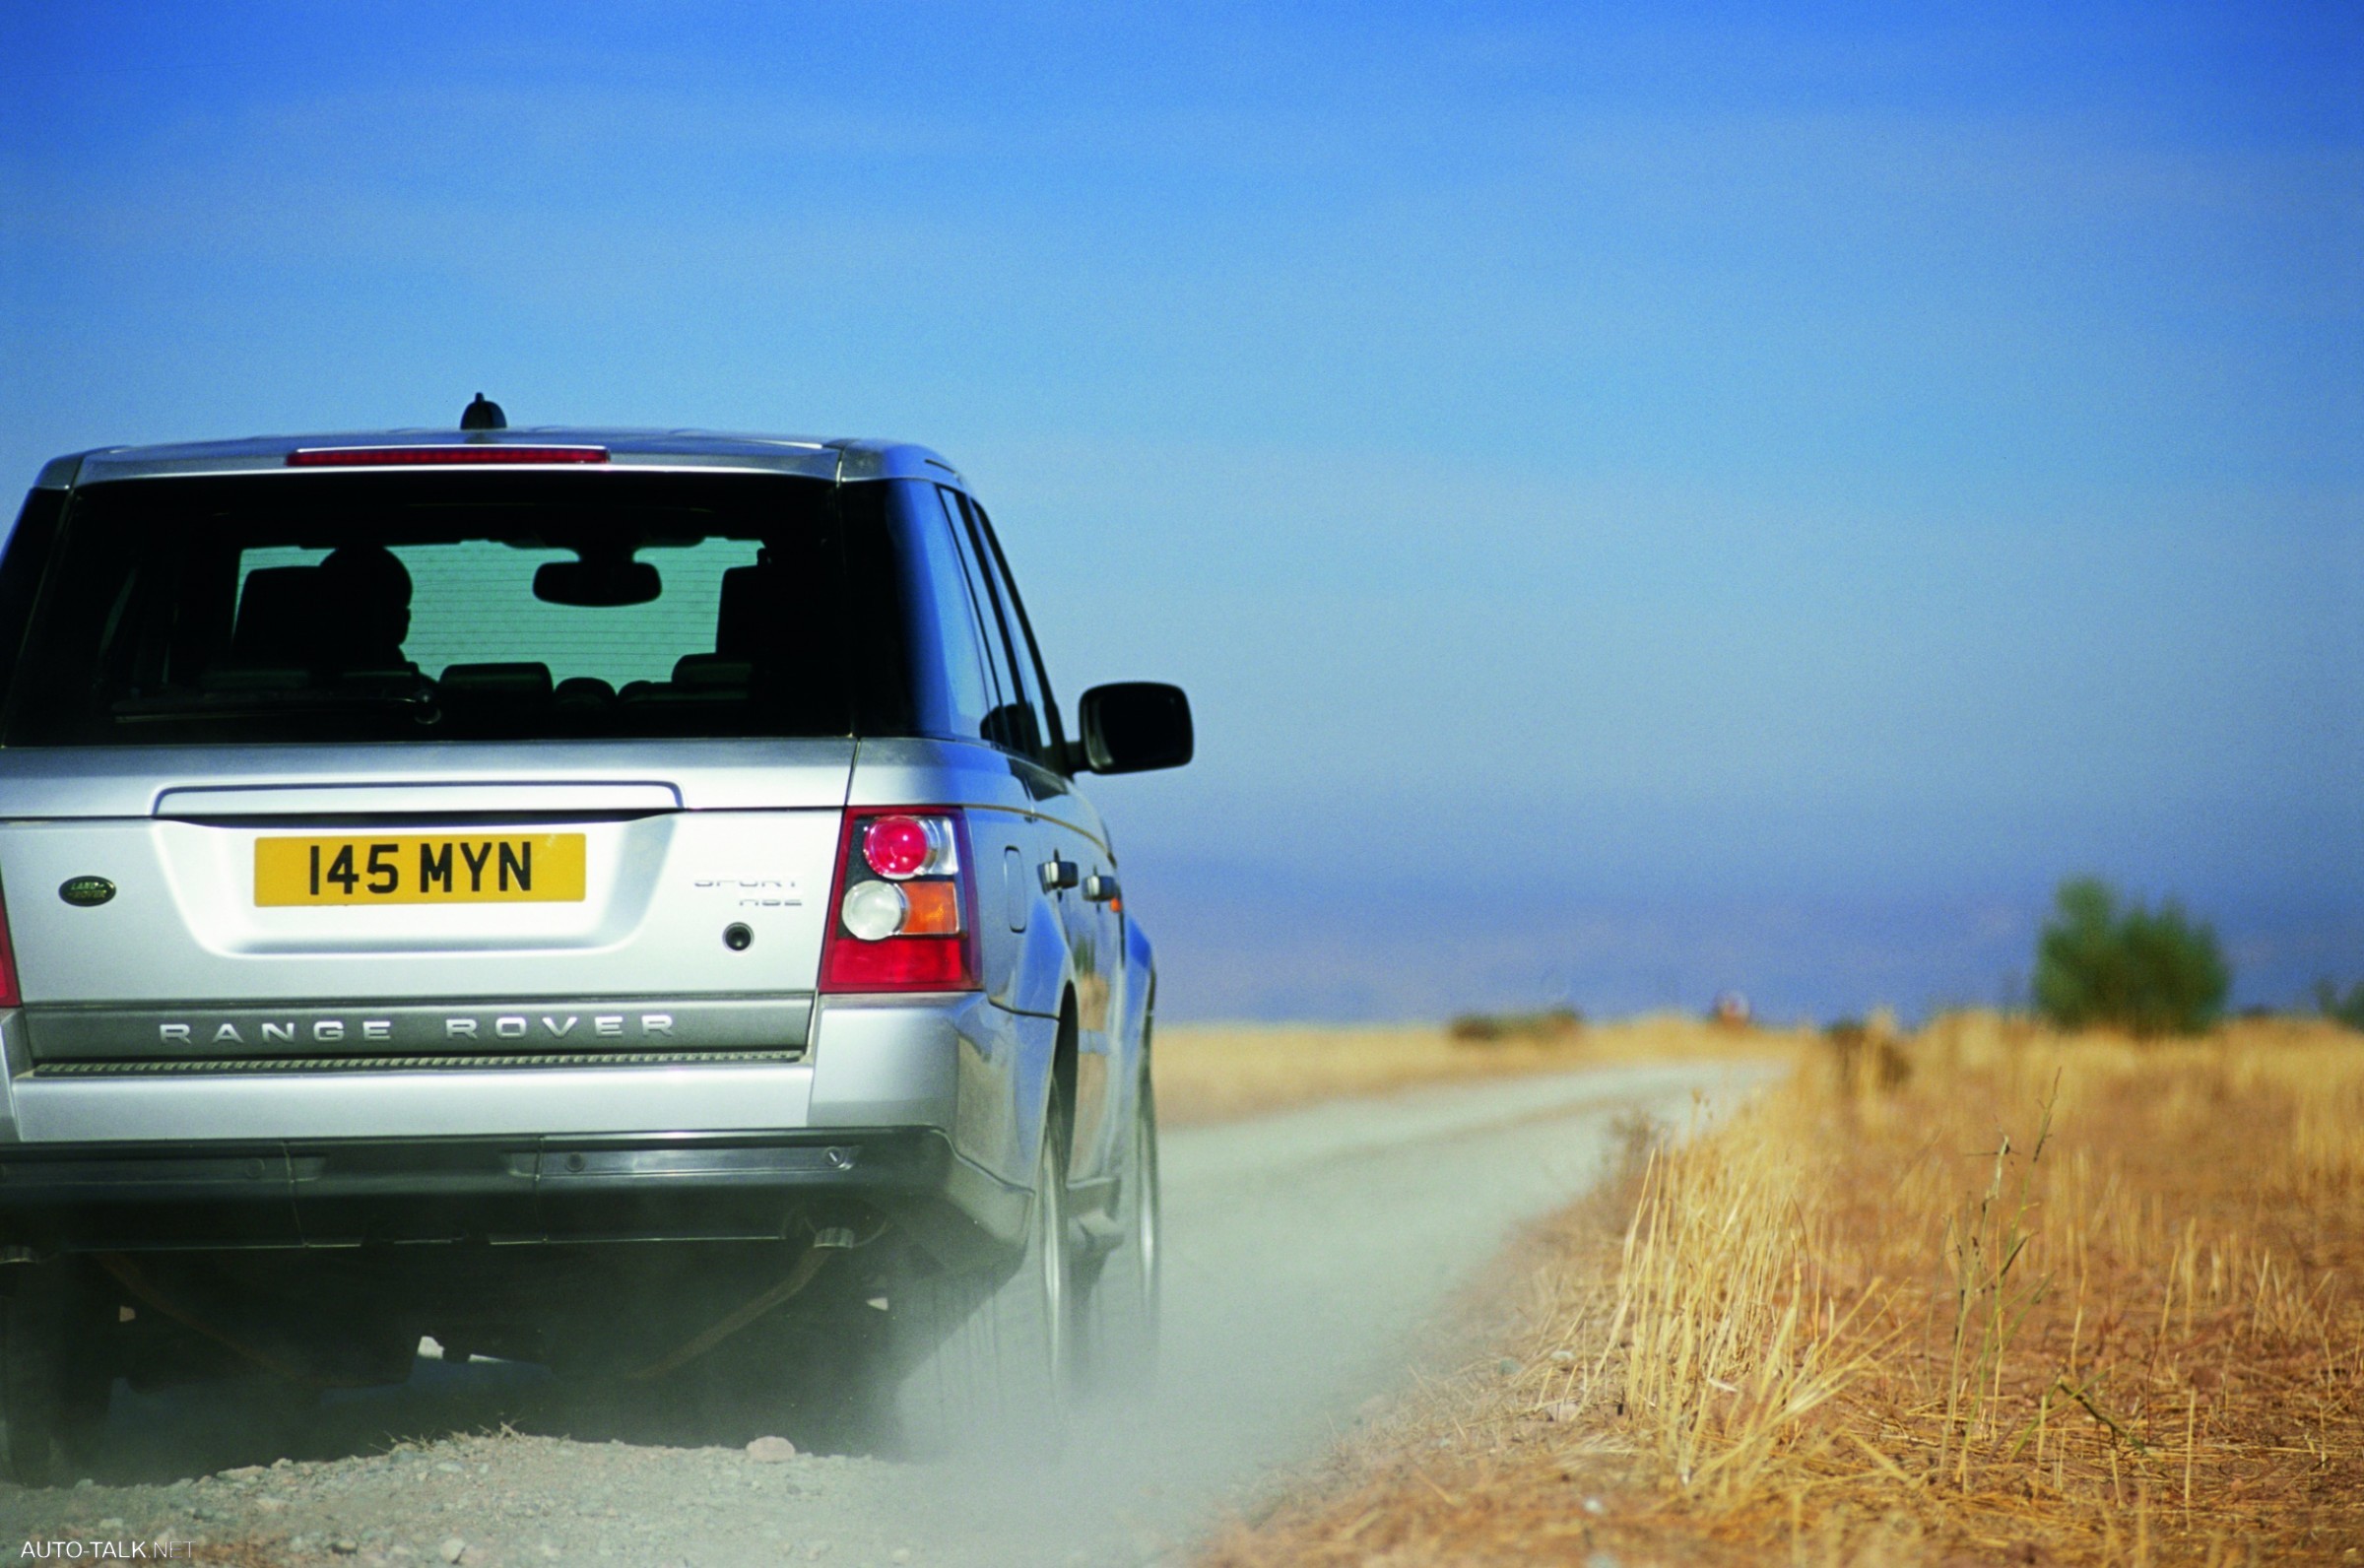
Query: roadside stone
pixel 452 1548
pixel 1563 1358
pixel 344 1546
pixel 771 1451
pixel 1562 1410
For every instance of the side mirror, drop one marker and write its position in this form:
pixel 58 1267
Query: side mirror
pixel 1133 726
pixel 596 582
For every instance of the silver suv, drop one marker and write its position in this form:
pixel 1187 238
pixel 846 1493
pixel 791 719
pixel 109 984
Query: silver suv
pixel 614 899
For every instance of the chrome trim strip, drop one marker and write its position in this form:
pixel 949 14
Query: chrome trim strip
pixel 444 1104
pixel 604 1025
pixel 381 796
pixel 541 1061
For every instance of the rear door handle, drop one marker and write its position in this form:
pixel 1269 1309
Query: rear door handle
pixel 1101 889
pixel 1058 873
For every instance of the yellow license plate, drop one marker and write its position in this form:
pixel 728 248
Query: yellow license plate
pixel 441 869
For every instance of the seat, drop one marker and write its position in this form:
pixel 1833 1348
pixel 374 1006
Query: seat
pixel 347 615
pixel 279 615
pixel 750 624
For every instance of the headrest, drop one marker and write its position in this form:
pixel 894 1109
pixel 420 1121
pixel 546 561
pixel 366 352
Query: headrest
pixel 279 615
pixel 754 611
pixel 495 683
pixel 366 608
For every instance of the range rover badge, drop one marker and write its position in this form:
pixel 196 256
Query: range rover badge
pixel 85 893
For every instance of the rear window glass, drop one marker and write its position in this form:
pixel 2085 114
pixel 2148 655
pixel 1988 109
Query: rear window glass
pixel 431 606
pixel 473 602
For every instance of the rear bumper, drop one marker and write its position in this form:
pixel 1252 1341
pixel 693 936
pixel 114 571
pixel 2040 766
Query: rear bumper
pixel 182 1196
pixel 903 1107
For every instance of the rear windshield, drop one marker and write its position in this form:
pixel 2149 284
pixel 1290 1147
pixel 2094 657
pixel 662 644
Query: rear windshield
pixel 288 608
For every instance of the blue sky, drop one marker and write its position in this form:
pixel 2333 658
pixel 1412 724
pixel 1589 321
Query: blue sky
pixel 1644 503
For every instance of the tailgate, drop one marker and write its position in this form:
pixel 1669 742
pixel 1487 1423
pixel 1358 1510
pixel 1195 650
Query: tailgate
pixel 361 919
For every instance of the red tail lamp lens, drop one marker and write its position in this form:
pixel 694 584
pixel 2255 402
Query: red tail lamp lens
pixel 909 846
pixel 10 996
pixel 900 963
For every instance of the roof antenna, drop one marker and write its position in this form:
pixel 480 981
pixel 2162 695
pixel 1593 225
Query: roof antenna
pixel 483 415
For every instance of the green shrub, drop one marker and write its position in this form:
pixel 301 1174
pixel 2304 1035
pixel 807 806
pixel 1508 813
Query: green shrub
pixel 2347 1010
pixel 1493 1028
pixel 2098 965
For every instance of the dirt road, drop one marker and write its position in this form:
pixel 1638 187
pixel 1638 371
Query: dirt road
pixel 1305 1253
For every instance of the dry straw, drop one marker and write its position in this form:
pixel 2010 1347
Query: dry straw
pixel 2024 1289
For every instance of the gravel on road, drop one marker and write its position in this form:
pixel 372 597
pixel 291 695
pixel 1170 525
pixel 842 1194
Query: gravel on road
pixel 1307 1254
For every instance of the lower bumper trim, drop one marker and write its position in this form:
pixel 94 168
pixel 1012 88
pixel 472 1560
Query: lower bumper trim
pixel 733 1186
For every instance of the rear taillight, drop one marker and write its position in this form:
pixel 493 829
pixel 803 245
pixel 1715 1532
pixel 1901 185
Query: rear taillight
pixel 9 997
pixel 902 912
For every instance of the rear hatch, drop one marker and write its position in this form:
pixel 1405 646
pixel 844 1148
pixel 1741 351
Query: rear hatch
pixel 462 919
pixel 427 769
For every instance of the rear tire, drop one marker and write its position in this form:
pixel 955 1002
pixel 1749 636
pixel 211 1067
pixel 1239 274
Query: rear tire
pixel 990 1372
pixel 1119 1319
pixel 55 1374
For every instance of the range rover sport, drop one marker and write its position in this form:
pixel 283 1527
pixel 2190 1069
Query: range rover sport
pixel 613 900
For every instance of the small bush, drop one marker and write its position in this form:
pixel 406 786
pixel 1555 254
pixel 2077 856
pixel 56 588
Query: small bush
pixel 1867 1055
pixel 2347 1010
pixel 1494 1028
pixel 2152 974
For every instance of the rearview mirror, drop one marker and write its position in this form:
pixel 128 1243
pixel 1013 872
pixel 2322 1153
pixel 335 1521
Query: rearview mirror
pixel 1133 726
pixel 597 583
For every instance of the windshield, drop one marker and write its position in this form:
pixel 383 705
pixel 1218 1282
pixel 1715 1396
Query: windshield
pixel 298 607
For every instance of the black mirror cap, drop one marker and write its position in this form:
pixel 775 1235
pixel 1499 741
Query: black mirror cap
pixel 1135 725
pixel 597 584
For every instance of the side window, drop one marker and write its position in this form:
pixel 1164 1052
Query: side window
pixel 968 690
pixel 1001 680
pixel 1031 674
pixel 1020 726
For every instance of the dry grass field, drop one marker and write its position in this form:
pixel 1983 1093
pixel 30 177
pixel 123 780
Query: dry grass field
pixel 1212 1072
pixel 1978 1296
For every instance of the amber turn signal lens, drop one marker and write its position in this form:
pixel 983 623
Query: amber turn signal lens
pixel 935 909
